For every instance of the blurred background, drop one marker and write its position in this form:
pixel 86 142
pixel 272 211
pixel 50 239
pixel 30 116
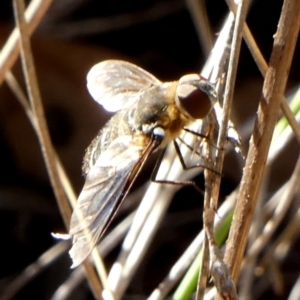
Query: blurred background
pixel 158 35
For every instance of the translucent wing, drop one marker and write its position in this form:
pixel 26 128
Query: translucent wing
pixel 105 187
pixel 116 84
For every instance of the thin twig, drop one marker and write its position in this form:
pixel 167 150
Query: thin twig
pixel 100 25
pixel 290 117
pixel 291 189
pixel 37 110
pixel 22 98
pixel 283 243
pixel 144 225
pixel 105 246
pixel 20 95
pixel 42 130
pixel 219 270
pixel 199 15
pixel 65 289
pixel 263 66
pixel 34 270
pixel 147 218
pixel 9 53
pixel 273 90
pixel 294 294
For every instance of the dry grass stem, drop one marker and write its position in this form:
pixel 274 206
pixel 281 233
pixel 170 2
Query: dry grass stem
pixel 42 130
pixel 262 66
pixel 141 225
pixel 33 270
pixel 116 22
pixel 273 90
pixel 219 271
pixel 228 95
pixel 199 15
pixel 145 223
pixel 22 98
pixel 37 110
pixel 9 53
pixel 285 202
pixel 64 290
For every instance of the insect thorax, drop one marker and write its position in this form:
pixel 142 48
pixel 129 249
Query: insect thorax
pixel 157 108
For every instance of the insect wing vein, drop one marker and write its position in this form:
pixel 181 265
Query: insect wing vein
pixel 116 84
pixel 105 187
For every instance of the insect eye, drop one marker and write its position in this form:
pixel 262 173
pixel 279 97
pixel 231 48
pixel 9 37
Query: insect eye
pixel 192 100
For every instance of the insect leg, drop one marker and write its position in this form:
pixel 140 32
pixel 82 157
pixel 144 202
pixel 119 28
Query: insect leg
pixel 181 159
pixel 198 134
pixel 174 182
pixel 189 146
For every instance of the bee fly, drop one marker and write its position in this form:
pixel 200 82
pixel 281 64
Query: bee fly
pixel 149 115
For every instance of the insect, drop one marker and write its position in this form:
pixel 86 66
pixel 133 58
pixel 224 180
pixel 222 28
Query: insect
pixel 149 115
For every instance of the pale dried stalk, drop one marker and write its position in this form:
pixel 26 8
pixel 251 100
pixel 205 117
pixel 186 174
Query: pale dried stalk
pixel 283 244
pixel 42 130
pixel 220 271
pixel 273 90
pixel 262 66
pixel 285 203
pixel 180 267
pixel 100 25
pixel 22 98
pixel 72 282
pixel 201 23
pixel 37 108
pixel 286 194
pixel 145 223
pixel 9 53
pixel 213 69
pixel 34 269
pixel 294 294
pixel 105 246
